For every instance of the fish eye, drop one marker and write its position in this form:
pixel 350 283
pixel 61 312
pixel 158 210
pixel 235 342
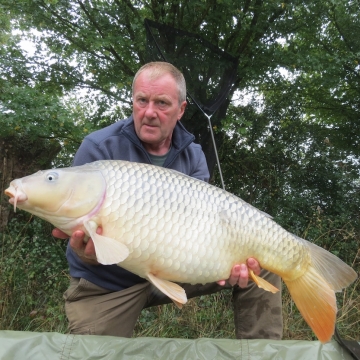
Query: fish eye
pixel 51 176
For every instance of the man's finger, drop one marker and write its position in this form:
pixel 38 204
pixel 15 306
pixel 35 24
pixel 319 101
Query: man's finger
pixel 244 276
pixel 89 251
pixel 234 276
pixel 254 265
pixel 77 240
pixel 59 234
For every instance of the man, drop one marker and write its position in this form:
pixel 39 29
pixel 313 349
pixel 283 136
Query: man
pixel 108 299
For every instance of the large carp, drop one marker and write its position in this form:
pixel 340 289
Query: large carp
pixel 168 227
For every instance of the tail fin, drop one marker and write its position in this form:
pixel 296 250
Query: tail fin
pixel 338 274
pixel 314 291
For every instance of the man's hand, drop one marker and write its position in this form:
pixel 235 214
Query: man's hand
pixel 85 250
pixel 240 273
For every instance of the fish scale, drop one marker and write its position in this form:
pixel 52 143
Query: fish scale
pixel 222 230
pixel 168 227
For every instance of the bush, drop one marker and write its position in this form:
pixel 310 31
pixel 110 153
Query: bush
pixel 33 277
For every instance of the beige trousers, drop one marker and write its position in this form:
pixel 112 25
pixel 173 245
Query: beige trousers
pixel 93 310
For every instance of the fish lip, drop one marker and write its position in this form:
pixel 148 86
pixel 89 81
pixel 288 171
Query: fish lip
pixel 9 192
pixel 17 196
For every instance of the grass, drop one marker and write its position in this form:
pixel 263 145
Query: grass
pixel 208 316
pixel 33 277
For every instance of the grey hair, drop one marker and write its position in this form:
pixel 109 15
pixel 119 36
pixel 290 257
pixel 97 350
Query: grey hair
pixel 159 68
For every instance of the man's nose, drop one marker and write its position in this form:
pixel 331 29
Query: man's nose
pixel 150 111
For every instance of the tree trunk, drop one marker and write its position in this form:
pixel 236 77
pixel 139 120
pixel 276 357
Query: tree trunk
pixel 21 157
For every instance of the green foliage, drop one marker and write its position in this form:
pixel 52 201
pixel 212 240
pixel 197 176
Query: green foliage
pixel 289 168
pixel 28 113
pixel 99 45
pixel 33 278
pixel 35 107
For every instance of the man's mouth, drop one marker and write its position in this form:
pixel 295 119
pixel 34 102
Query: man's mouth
pixel 151 126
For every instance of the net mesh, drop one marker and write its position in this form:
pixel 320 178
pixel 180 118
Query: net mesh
pixel 209 71
pixel 210 75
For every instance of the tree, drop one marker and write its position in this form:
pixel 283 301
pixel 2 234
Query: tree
pixel 35 125
pixel 99 45
pixel 285 165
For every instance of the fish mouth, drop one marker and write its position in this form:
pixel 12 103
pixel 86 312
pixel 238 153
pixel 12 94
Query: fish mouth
pixel 17 196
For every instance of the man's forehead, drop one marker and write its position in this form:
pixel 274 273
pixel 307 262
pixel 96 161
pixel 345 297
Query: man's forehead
pixel 151 76
pixel 159 86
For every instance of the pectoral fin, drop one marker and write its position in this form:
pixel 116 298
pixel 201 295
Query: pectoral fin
pixel 108 250
pixel 263 284
pixel 175 292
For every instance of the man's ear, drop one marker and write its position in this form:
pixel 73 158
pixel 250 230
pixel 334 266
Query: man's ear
pixel 182 109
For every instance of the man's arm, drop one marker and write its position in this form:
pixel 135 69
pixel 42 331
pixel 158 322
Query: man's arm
pixel 89 152
pixel 201 170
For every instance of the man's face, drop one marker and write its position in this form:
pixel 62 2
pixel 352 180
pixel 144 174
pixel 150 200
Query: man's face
pixel 156 111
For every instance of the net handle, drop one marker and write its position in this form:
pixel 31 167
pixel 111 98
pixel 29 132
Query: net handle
pixel 215 149
pixel 212 138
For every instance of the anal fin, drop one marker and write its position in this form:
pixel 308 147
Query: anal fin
pixel 174 291
pixel 263 284
pixel 179 305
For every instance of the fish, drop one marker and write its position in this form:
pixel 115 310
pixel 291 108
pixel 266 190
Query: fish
pixel 171 228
